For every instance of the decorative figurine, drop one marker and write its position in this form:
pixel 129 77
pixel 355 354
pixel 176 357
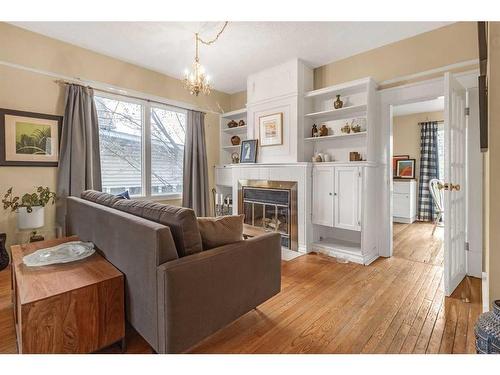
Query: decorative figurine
pixel 314 131
pixel 235 158
pixel 232 124
pixel 241 123
pixel 337 104
pixel 346 129
pixel 323 131
pixel 235 140
pixel 355 127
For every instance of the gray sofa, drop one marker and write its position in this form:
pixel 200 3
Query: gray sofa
pixel 176 293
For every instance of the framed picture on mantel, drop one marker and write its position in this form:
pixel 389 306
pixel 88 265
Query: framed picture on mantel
pixel 271 130
pixel 29 139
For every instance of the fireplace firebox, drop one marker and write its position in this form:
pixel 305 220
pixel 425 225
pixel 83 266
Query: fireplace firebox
pixel 271 205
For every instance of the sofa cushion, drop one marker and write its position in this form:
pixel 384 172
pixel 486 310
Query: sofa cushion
pixel 181 221
pixel 219 231
pixel 100 198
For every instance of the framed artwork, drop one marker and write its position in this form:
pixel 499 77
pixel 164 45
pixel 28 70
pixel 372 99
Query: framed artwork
pixel 248 151
pixel 395 159
pixel 406 168
pixel 271 130
pixel 29 139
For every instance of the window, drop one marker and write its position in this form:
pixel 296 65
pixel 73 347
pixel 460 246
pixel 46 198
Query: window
pixel 141 145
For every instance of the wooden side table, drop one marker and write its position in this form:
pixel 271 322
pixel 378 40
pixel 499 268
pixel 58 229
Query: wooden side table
pixel 76 307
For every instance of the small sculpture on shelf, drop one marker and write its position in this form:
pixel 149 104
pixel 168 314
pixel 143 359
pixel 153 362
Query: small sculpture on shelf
pixel 346 129
pixel 337 104
pixel 355 126
pixel 232 124
pixel 323 131
pixel 241 123
pixel 235 140
pixel 235 158
pixel 314 131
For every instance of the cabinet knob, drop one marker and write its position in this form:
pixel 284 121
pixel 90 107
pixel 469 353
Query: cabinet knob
pixel 329 193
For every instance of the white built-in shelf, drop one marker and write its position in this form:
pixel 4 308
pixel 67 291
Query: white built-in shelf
pixel 329 137
pixel 239 113
pixel 341 113
pixel 235 130
pixel 231 148
pixel 342 89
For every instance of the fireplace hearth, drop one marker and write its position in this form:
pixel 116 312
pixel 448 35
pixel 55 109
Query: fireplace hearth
pixel 271 205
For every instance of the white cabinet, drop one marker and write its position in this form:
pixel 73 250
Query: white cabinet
pixel 323 188
pixel 404 201
pixel 347 198
pixel 336 197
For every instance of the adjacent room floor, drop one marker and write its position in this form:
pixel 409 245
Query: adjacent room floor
pixel 395 305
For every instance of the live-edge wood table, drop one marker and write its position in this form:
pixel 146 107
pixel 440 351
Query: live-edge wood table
pixel 74 307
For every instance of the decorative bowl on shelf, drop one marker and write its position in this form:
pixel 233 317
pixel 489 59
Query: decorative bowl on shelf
pixel 235 140
pixel 232 124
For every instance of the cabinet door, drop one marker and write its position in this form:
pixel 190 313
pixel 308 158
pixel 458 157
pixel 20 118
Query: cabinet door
pixel 322 207
pixel 347 197
pixel 401 205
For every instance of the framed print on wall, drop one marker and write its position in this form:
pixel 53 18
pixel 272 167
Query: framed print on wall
pixel 29 139
pixel 248 151
pixel 395 159
pixel 271 130
pixel 406 168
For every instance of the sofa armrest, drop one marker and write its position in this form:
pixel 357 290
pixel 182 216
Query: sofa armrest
pixel 202 293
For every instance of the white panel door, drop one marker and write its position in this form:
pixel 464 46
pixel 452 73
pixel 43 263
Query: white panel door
pixel 347 197
pixel 454 176
pixel 322 207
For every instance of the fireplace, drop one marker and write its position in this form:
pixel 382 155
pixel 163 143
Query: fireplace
pixel 271 205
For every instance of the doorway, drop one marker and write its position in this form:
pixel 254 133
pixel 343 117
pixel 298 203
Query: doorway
pixel 418 159
pixel 461 161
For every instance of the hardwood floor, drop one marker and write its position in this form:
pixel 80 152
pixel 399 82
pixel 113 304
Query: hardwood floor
pixel 416 242
pixel 395 305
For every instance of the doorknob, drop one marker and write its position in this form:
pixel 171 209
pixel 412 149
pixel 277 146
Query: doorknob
pixel 448 186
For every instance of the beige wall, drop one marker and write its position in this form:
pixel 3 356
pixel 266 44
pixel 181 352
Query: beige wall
pixel 444 46
pixel 492 170
pixel 238 100
pixel 34 92
pixel 406 135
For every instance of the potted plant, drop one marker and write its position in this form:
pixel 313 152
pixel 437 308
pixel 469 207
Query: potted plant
pixel 30 207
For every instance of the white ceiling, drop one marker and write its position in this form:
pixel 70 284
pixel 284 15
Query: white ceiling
pixel 244 48
pixel 420 107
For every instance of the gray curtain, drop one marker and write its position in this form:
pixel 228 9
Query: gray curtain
pixel 79 158
pixel 195 192
pixel 429 169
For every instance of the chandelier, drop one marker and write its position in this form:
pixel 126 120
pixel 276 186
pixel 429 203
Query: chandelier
pixel 196 81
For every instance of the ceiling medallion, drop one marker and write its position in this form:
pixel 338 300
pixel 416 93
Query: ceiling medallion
pixel 196 81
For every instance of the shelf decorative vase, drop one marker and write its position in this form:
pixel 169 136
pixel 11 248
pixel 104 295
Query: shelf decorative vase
pixel 487 331
pixel 314 131
pixel 4 256
pixel 323 131
pixel 337 104
pixel 235 140
pixel 346 129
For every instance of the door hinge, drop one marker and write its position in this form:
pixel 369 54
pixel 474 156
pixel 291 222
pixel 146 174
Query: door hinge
pixel 467 111
pixel 467 246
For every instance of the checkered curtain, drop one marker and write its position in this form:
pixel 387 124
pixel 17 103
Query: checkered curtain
pixel 429 169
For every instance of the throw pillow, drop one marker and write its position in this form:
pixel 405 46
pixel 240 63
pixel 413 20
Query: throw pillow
pixel 219 231
pixel 124 195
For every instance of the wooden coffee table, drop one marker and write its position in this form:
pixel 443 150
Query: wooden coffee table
pixel 74 307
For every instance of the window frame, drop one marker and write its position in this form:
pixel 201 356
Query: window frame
pixel 146 156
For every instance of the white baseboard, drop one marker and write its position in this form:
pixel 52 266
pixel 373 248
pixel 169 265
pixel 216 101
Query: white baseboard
pixel 485 292
pixel 404 220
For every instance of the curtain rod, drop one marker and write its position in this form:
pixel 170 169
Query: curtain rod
pixel 424 122
pixel 62 82
pixel 112 90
